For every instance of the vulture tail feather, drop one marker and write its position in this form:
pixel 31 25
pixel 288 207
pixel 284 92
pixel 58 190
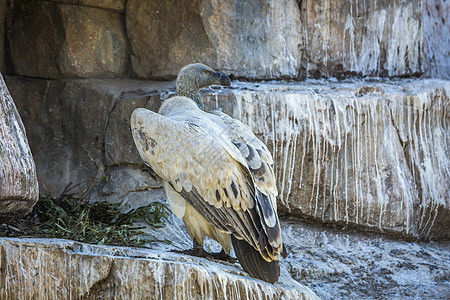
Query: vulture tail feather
pixel 253 263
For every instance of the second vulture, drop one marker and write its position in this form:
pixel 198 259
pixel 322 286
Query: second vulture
pixel 217 175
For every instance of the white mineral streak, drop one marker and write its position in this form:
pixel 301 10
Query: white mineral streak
pixel 51 269
pixel 268 47
pixel 374 154
pixel 436 38
pixel 373 37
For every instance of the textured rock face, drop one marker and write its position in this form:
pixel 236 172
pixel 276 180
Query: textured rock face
pixel 49 40
pixel 165 36
pixel 343 265
pixel 253 39
pixel 18 182
pixel 382 38
pixel 118 5
pixel 78 127
pixel 118 273
pixel 436 38
pixel 3 12
pixel 248 39
pixel 372 154
pixel 276 39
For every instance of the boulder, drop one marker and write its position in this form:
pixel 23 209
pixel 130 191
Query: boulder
pixel 19 189
pixel 371 154
pixel 78 127
pixel 40 268
pixel 252 39
pixel 52 40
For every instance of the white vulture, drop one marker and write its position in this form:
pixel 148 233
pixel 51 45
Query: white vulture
pixel 217 175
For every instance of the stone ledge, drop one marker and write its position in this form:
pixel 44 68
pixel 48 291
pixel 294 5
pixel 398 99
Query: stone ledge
pixel 51 268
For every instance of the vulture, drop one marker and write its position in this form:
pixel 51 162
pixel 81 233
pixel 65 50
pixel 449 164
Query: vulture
pixel 217 175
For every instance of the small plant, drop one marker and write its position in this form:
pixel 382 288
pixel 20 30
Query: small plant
pixel 97 223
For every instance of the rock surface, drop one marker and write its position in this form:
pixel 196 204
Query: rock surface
pixel 52 40
pixel 3 12
pixel 333 264
pixel 252 39
pixel 117 273
pixel 382 38
pixel 270 39
pixel 338 264
pixel 436 38
pixel 118 5
pixel 19 189
pixel 372 154
pixel 343 265
pixel 78 127
pixel 368 153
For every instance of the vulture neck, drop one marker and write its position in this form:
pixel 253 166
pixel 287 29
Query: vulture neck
pixel 192 93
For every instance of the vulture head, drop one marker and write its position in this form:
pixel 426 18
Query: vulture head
pixel 196 76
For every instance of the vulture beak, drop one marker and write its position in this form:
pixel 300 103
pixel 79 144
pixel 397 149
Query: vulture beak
pixel 223 79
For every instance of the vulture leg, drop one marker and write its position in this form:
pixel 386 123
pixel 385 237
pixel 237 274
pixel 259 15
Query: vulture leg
pixel 198 251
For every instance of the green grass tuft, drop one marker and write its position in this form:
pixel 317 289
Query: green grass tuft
pixel 96 223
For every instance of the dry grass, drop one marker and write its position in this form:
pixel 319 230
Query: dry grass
pixel 97 223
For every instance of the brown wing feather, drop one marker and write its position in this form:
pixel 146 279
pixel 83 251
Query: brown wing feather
pixel 254 151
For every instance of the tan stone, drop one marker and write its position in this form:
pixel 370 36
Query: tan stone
pixel 18 182
pixel 118 5
pixel 49 40
pixel 253 39
pixel 59 269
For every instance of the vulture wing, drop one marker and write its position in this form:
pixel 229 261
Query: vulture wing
pixel 193 155
pixel 254 151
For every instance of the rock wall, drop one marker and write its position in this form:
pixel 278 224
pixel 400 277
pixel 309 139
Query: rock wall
pixel 52 40
pixel 366 153
pixel 270 39
pixel 371 154
pixel 78 128
pixel 68 270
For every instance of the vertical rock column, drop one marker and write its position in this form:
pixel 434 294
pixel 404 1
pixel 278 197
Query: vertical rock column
pixel 18 182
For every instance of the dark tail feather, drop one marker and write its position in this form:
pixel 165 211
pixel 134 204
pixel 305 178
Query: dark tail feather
pixel 253 263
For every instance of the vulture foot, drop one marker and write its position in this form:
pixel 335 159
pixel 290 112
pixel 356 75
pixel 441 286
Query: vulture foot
pixel 198 251
pixel 223 256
